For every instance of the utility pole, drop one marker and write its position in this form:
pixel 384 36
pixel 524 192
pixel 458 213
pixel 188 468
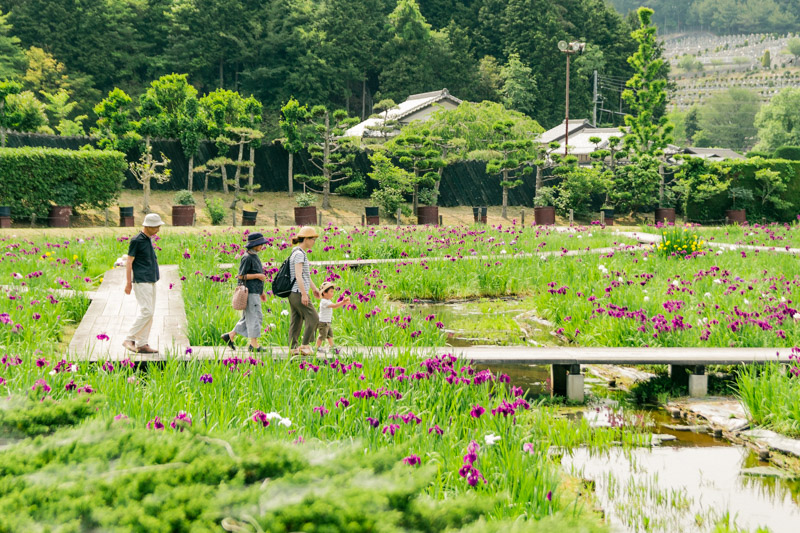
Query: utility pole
pixel 569 49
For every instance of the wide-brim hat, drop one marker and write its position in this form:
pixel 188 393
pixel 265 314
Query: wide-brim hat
pixel 255 239
pixel 325 286
pixel 307 231
pixel 152 220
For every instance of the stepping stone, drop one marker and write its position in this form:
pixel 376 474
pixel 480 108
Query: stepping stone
pixel 774 441
pixel 766 471
pixel 692 429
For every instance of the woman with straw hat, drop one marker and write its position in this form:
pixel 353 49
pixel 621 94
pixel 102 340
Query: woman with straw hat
pixel 301 309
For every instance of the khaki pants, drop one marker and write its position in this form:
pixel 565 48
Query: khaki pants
pixel 325 331
pixel 146 300
pixel 301 313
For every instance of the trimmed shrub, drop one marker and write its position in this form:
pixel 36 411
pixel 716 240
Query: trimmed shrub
pixel 33 179
pixel 792 153
pixel 355 188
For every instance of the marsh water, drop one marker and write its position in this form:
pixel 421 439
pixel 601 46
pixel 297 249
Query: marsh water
pixel 691 481
pixel 688 483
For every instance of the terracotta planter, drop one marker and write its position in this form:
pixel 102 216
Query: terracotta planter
pixel 428 214
pixel 372 215
pixel 479 214
pixel 544 216
pixel 608 216
pixel 249 218
pixel 59 216
pixel 736 216
pixel 665 214
pixel 305 216
pixel 182 215
pixel 126 217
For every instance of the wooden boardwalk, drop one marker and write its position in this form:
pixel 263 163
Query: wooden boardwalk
pixel 112 312
pixel 520 355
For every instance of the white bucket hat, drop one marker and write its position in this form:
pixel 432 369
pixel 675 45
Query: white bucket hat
pixel 152 220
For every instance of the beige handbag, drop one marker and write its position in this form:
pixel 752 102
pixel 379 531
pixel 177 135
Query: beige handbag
pixel 240 294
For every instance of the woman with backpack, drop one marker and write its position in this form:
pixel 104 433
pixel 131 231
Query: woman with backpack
pixel 251 273
pixel 301 309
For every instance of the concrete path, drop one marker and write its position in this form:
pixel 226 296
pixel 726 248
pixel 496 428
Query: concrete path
pixel 112 312
pixel 651 238
pixel 495 257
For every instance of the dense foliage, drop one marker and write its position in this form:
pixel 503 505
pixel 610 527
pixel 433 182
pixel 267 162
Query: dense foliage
pixel 33 179
pixel 315 51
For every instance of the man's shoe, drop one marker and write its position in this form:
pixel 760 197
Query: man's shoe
pixel 259 349
pixel 227 338
pixel 130 346
pixel 147 349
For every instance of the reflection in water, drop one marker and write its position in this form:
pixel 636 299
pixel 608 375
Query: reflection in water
pixel 682 488
pixel 686 484
pixel 531 378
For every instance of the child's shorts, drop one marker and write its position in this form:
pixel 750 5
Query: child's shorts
pixel 325 330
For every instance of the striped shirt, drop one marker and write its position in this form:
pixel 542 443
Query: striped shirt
pixel 299 257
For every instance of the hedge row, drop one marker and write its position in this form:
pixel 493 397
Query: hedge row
pixel 34 178
pixel 742 174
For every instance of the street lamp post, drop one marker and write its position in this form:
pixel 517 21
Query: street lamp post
pixel 569 49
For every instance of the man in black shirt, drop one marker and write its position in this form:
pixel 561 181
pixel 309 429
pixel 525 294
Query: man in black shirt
pixel 141 275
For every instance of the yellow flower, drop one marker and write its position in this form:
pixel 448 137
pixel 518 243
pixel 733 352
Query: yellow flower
pixel 101 280
pixel 74 257
pixel 47 254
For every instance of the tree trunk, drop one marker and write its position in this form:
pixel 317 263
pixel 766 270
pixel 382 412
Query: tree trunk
pixel 539 179
pixel 291 173
pixel 505 195
pixel 661 186
pixel 326 160
pixel 146 200
pixel 252 171
pixel 238 174
pixel 415 193
pixel 364 98
pixel 191 173
pixel 205 185
pixel 224 172
pixel 326 195
pixel 221 77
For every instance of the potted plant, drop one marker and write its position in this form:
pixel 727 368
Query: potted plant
pixel 665 212
pixel 608 214
pixel 5 216
pixel 544 211
pixel 249 215
pixel 125 217
pixel 479 214
pixel 63 199
pixel 738 215
pixel 428 212
pixel 183 209
pixel 305 214
pixel 372 214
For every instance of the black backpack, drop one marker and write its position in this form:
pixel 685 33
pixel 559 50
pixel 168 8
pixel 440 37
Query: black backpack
pixel 282 282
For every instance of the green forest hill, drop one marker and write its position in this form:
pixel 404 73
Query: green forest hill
pixel 345 54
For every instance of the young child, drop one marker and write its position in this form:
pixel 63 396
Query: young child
pixel 326 307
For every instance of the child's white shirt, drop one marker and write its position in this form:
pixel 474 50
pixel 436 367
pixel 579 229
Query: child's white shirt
pixel 325 311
